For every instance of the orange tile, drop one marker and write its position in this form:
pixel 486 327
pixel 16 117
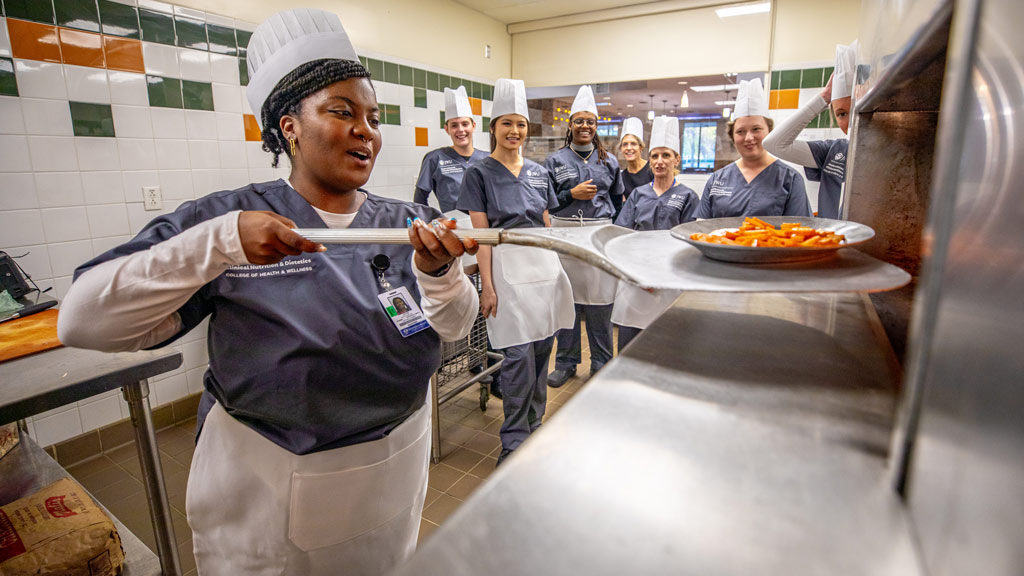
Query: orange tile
pixel 81 48
pixel 421 136
pixel 252 129
pixel 123 54
pixel 476 105
pixel 773 100
pixel 33 41
pixel 789 99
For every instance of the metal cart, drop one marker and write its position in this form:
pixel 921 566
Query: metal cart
pixel 454 376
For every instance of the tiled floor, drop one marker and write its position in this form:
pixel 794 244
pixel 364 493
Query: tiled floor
pixel 469 450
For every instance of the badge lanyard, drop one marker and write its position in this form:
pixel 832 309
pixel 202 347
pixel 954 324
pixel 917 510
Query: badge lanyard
pixel 398 303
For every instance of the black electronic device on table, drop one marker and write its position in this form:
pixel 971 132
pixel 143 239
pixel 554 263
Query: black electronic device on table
pixel 14 280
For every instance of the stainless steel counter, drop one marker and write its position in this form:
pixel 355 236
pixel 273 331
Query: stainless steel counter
pixel 740 434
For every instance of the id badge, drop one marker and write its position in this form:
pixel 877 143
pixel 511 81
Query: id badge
pixel 405 314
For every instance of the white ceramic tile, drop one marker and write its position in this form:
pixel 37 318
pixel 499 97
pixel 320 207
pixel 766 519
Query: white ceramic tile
pixel 226 98
pixel 176 185
pixel 201 124
pixel 234 178
pixel 220 20
pixel 34 260
pixel 101 245
pixel 65 224
pixel 195 379
pixel 5 40
pixel 136 154
pixel 66 256
pixel 160 60
pixel 14 154
pixel 12 121
pixel 232 155
pixel 40 79
pixel 168 123
pixel 128 88
pixel 97 154
pixel 224 69
pixel 47 117
pixel 99 412
pixel 58 189
pixel 171 154
pixel 195 354
pixel 133 121
pixel 246 109
pixel 257 157
pixel 230 127
pixel 245 25
pixel 262 175
pixel 58 427
pixel 53 153
pixel 169 389
pixel 125 2
pixel 87 84
pixel 194 65
pixel 206 181
pixel 108 220
pixel 138 216
pixel 18 192
pixel 21 227
pixel 204 153
pixel 61 285
pixel 135 180
pixel 157 6
pixel 102 187
pixel 190 12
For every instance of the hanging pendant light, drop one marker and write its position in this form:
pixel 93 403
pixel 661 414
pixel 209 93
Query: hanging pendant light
pixel 684 102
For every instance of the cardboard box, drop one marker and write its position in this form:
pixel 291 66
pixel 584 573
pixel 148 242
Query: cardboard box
pixel 58 530
pixel 8 438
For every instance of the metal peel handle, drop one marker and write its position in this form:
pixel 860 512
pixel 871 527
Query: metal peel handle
pixel 485 236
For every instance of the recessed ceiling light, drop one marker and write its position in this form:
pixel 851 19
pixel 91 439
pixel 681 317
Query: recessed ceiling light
pixel 607 97
pixel 683 82
pixel 629 105
pixel 744 10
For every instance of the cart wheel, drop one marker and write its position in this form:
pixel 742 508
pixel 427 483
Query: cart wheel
pixel 484 396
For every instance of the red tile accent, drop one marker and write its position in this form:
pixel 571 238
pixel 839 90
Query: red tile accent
pixel 123 54
pixel 81 48
pixel 421 136
pixel 252 129
pixel 33 41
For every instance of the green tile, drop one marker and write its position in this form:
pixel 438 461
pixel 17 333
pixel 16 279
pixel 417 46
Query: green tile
pixel 242 40
pixel 776 75
pixel 826 73
pixel 485 123
pixel 362 60
pixel 156 27
pixel 79 14
pixel 34 10
pixel 119 19
pixel 391 73
pixel 8 82
pixel 478 90
pixel 197 95
pixel 222 39
pixel 442 118
pixel 812 78
pixel 164 92
pixel 243 71
pixel 376 68
pixel 92 119
pixel 420 97
pixel 394 114
pixel 419 78
pixel 406 77
pixel 813 123
pixel 432 81
pixel 790 79
pixel 488 92
pixel 443 82
pixel 825 119
pixel 191 33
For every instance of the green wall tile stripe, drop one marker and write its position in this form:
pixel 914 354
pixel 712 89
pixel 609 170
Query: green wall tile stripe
pixel 92 119
pixel 119 19
pixel 77 14
pixel 164 92
pixel 34 10
pixel 197 95
pixel 8 81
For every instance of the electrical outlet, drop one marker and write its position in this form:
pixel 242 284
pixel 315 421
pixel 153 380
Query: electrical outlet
pixel 151 198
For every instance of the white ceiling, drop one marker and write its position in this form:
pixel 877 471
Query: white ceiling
pixel 513 11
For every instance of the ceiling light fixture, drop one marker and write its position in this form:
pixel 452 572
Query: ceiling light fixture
pixel 724 102
pixel 684 102
pixel 726 112
pixel 744 10
pixel 650 115
pixel 716 88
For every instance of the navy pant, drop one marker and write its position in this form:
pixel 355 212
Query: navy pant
pixel 599 335
pixel 626 335
pixel 524 390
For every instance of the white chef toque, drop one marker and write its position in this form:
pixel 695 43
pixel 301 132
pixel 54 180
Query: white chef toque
pixel 509 98
pixel 665 133
pixel 634 126
pixel 584 101
pixel 845 74
pixel 750 100
pixel 286 41
pixel 456 103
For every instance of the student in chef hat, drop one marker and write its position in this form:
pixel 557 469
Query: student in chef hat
pixel 756 184
pixel 442 169
pixel 823 160
pixel 636 172
pixel 314 445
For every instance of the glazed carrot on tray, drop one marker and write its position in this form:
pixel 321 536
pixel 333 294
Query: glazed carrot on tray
pixel 755 232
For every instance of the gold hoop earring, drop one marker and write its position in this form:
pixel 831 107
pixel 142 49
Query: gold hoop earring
pixel 291 144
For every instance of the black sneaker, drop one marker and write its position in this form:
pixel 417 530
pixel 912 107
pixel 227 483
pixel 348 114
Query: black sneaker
pixel 559 377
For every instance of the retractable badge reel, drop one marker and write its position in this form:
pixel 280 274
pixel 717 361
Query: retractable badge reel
pixel 380 265
pixel 398 303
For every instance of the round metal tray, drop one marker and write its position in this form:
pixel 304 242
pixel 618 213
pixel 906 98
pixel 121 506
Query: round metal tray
pixel 855 234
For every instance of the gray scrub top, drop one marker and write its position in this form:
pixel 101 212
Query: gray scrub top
pixel 302 351
pixel 645 210
pixel 778 190
pixel 509 201
pixel 830 155
pixel 567 170
pixel 441 172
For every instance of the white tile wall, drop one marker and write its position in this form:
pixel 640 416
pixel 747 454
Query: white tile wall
pixel 87 84
pixel 133 121
pixel 202 124
pixel 168 123
pixel 5 41
pixel 161 60
pixel 47 117
pixel 56 189
pixel 102 187
pixel 53 153
pixel 128 88
pixel 40 79
pixel 97 154
pixel 18 192
pixel 11 119
pixel 194 65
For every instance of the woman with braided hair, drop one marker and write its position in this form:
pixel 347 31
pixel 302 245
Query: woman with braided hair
pixel 313 442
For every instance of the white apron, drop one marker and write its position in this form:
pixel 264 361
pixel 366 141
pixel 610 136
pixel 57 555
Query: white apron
pixel 590 285
pixel 637 308
pixel 257 509
pixel 534 296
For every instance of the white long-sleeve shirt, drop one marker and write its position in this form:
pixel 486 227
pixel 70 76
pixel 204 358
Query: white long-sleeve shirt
pixel 782 141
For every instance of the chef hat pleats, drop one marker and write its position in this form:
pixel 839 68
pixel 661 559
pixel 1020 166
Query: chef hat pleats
pixel 634 126
pixel 584 101
pixel 845 75
pixel 509 98
pixel 456 103
pixel 665 133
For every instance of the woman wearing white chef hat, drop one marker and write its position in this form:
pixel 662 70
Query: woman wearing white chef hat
pixel 757 184
pixel 442 169
pixel 586 178
pixel 660 205
pixel 823 160
pixel 637 171
pixel 314 440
